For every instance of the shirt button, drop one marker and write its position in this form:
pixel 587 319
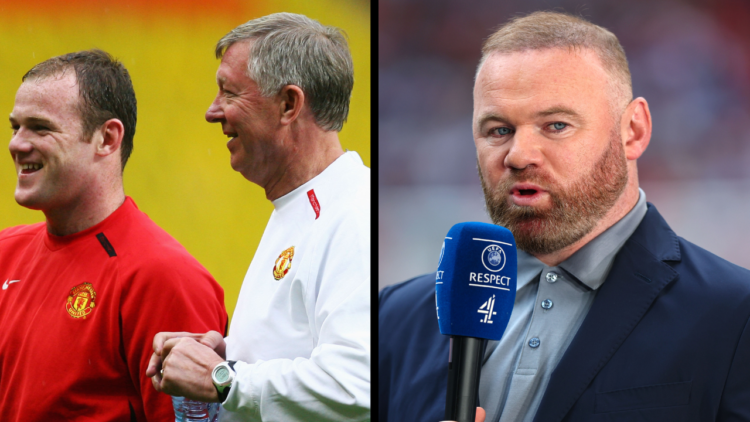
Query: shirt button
pixel 534 342
pixel 551 277
pixel 547 304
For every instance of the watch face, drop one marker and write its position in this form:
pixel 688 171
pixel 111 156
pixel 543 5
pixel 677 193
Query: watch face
pixel 222 374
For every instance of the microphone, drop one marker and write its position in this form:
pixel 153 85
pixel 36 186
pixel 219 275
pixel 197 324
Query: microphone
pixel 475 289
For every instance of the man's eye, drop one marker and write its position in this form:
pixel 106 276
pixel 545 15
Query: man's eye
pixel 559 125
pixel 502 131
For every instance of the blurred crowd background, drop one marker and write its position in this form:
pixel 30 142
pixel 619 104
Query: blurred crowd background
pixel 179 172
pixel 689 58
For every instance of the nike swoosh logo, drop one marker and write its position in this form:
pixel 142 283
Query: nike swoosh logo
pixel 8 283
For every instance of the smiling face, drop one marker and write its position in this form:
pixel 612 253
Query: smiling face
pixel 550 156
pixel 250 120
pixel 53 162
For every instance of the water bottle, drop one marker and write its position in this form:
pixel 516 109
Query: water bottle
pixel 187 410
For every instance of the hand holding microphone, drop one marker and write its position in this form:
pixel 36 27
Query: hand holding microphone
pixel 475 290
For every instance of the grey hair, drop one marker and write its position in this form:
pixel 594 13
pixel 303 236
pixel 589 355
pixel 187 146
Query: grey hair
pixel 542 30
pixel 291 49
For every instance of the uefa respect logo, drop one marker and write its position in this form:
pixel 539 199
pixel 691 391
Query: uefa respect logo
pixel 493 258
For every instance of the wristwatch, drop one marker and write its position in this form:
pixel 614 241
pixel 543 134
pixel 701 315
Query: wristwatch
pixel 222 377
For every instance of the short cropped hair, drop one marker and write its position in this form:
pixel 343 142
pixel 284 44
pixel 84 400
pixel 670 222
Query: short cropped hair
pixel 291 49
pixel 105 90
pixel 543 30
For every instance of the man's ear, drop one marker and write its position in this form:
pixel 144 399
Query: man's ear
pixel 108 137
pixel 292 101
pixel 635 128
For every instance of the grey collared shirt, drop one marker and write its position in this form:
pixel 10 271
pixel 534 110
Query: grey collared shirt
pixel 551 303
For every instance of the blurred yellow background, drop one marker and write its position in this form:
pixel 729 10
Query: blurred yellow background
pixel 179 171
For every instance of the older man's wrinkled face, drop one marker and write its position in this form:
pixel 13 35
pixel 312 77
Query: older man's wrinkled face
pixel 549 151
pixel 249 119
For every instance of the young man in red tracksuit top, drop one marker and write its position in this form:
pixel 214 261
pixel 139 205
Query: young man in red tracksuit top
pixel 84 293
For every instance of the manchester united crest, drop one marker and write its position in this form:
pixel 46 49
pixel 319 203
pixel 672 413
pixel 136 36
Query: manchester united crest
pixel 283 263
pixel 81 300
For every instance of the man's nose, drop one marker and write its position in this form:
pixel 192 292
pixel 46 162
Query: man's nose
pixel 19 143
pixel 525 150
pixel 215 114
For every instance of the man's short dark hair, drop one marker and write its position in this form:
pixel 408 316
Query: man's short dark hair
pixel 105 90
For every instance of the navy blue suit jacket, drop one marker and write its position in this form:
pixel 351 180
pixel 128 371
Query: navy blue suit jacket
pixel 666 339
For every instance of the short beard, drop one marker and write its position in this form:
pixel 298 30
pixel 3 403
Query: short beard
pixel 574 211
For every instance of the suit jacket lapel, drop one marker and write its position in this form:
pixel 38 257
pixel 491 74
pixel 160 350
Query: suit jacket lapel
pixel 637 276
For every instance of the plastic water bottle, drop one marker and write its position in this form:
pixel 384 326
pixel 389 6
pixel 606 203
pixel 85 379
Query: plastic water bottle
pixel 187 410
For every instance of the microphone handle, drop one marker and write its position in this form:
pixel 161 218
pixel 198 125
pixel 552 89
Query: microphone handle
pixel 464 366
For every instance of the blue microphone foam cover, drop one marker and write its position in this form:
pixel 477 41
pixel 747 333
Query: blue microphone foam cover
pixel 475 284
